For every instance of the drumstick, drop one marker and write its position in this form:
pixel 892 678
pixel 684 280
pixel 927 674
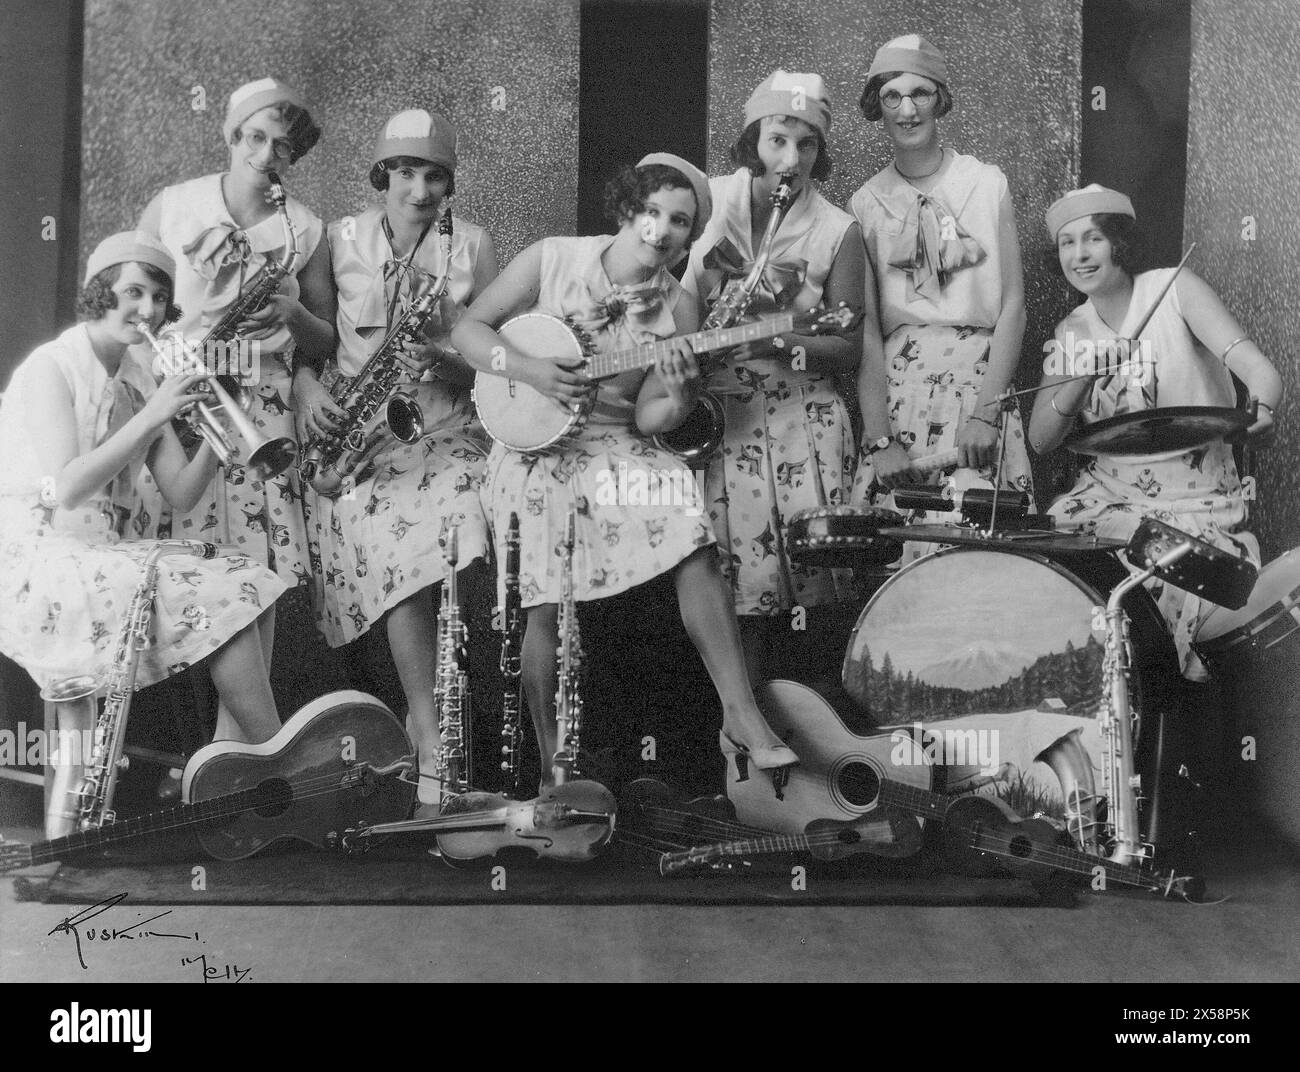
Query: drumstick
pixel 782 563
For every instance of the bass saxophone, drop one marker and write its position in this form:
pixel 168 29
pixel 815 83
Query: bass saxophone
pixel 700 436
pixel 568 691
pixel 266 457
pixel 330 459
pixel 451 691
pixel 90 805
pixel 512 640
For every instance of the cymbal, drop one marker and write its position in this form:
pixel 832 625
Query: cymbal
pixel 1042 541
pixel 1153 431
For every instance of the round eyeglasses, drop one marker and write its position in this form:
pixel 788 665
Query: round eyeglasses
pixel 921 99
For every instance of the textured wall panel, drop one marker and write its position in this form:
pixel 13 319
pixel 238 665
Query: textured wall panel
pixel 505 72
pixel 1242 156
pixel 1014 75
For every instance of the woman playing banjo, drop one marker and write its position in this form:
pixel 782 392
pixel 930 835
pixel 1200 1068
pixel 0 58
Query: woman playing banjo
pixel 619 291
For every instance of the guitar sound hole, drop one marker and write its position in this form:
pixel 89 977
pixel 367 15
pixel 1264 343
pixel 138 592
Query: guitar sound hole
pixel 858 784
pixel 1021 847
pixel 273 797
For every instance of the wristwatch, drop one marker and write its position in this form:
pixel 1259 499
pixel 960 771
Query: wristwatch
pixel 879 444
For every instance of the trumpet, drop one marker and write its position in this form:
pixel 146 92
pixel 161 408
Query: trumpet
pixel 267 457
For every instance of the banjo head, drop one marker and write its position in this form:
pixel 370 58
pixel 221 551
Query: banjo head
pixel 516 415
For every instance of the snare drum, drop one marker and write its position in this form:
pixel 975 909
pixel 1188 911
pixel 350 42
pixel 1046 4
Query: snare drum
pixel 998 654
pixel 1271 617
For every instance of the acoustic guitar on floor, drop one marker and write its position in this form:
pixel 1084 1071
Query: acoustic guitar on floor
pixel 342 759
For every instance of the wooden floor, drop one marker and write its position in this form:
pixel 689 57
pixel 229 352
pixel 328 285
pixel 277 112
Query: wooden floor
pixel 1252 936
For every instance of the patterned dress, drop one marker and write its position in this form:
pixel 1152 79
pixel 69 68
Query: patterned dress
pixel 1197 491
pixel 939 287
pixel 639 510
pixel 215 259
pixel 66 578
pixel 379 543
pixel 769 404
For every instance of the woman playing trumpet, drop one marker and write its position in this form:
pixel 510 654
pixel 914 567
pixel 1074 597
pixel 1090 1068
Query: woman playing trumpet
pixel 81 416
pixel 376 548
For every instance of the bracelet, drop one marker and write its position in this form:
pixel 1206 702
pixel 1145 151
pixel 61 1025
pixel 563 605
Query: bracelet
pixel 983 420
pixel 1067 416
pixel 1265 405
pixel 1224 356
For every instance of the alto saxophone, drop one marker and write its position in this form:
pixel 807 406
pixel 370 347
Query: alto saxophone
pixel 568 692
pixel 90 805
pixel 331 458
pixel 451 691
pixel 512 639
pixel 698 437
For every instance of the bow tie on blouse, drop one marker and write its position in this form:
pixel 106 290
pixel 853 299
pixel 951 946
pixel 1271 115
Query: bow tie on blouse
pixel 216 248
pixel 932 247
pixel 385 285
pixel 121 402
pixel 781 280
pixel 641 310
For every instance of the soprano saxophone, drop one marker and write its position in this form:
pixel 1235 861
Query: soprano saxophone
pixel 330 459
pixel 568 692
pixel 700 436
pixel 451 695
pixel 512 638
pixel 90 805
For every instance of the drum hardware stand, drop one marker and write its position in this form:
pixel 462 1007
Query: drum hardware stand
pixel 814 459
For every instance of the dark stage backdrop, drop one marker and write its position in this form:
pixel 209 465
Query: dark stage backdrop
pixel 1014 73
pixel 504 72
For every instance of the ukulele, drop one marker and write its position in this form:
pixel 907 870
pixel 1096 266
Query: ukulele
pixel 841 773
pixel 338 761
pixel 572 823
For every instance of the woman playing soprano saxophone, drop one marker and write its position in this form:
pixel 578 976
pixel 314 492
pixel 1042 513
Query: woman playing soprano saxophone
pixel 375 549
pixel 80 417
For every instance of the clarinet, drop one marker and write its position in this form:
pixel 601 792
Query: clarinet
pixel 568 692
pixel 451 767
pixel 512 642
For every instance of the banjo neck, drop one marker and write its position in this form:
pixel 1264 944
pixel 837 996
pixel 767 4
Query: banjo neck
pixel 602 366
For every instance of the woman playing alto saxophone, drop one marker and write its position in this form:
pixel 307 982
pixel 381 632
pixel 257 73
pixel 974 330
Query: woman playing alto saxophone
pixel 376 547
pixel 80 417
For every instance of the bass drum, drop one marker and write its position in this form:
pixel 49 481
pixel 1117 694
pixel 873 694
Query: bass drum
pixel 998 654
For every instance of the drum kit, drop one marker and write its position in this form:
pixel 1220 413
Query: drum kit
pixel 1002 632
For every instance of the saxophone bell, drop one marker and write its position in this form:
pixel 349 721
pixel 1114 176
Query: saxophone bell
pixel 404 418
pixel 1072 765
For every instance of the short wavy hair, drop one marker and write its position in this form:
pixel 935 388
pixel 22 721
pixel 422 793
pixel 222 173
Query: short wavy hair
pixel 626 192
pixel 871 108
pixel 1128 247
pixel 744 152
pixel 300 128
pixel 97 297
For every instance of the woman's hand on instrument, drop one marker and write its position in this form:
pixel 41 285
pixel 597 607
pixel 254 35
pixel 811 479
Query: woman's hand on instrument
pixel 1262 432
pixel 561 379
pixel 893 466
pixel 418 357
pixel 679 372
pixel 278 313
pixel 175 394
pixel 315 413
pixel 977 444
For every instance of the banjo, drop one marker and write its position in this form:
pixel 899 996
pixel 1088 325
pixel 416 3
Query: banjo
pixel 523 419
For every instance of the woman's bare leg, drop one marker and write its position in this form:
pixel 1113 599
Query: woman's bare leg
pixel 239 672
pixel 539 671
pixel 413 640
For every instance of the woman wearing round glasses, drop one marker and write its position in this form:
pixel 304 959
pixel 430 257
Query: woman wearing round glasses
pixel 943 271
